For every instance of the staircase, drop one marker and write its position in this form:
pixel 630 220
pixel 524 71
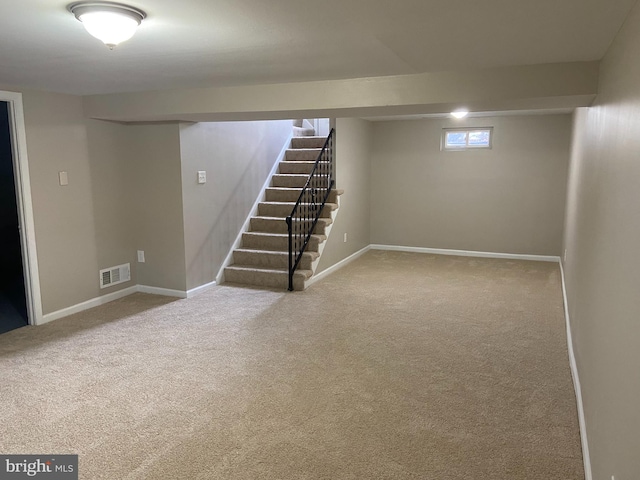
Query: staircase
pixel 263 258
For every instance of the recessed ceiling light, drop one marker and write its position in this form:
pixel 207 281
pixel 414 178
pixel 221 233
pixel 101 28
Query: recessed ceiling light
pixel 113 23
pixel 460 113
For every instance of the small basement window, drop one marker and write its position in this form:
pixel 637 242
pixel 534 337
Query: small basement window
pixel 466 138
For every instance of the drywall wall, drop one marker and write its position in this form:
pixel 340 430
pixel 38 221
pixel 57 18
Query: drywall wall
pixel 602 267
pixel 237 158
pixel 354 139
pixel 63 215
pixel 508 199
pixel 110 164
pixel 556 85
pixel 155 197
pixel 124 193
pixel 136 201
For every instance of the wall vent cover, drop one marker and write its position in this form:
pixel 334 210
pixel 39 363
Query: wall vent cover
pixel 115 275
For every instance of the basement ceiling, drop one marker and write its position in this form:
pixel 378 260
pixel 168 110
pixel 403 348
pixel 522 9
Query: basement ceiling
pixel 202 43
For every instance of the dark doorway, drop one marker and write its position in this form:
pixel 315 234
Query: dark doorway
pixel 13 302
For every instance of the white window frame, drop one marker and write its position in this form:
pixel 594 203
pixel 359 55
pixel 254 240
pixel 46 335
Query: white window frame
pixel 445 148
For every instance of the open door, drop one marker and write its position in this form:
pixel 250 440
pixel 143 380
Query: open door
pixel 20 299
pixel 13 297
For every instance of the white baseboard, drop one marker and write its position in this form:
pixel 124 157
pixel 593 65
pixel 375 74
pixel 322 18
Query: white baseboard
pixel 94 302
pixel 165 292
pixel 198 290
pixel 466 253
pixel 337 266
pixel 588 475
pixel 433 251
pixel 110 297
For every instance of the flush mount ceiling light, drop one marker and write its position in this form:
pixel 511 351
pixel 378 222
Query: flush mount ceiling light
pixel 460 113
pixel 110 22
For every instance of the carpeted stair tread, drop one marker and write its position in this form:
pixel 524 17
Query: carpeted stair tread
pixel 271 259
pixel 275 252
pixel 308 142
pixel 284 209
pixel 298 167
pixel 327 221
pixel 303 273
pixel 321 238
pixel 265 276
pixel 279 224
pixel 302 154
pixel 330 205
pixel 276 241
pixel 303 132
pixel 292 180
pixel 291 194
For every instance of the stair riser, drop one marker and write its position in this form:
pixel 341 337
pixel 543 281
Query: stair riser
pixel 289 181
pixel 310 154
pixel 308 142
pixel 263 279
pixel 303 132
pixel 276 195
pixel 268 225
pixel 264 242
pixel 267 210
pixel 297 181
pixel 304 168
pixel 269 259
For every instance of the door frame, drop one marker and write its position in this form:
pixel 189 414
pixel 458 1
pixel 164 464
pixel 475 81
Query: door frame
pixel 25 205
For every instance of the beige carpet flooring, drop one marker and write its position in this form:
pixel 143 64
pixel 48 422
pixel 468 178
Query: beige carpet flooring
pixel 398 366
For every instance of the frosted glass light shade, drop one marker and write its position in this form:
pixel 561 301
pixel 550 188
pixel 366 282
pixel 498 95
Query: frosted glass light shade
pixel 112 23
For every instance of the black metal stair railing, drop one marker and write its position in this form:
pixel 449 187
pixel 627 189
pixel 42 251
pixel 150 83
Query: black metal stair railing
pixel 311 201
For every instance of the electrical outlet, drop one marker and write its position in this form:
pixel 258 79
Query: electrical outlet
pixel 140 256
pixel 202 176
pixel 345 238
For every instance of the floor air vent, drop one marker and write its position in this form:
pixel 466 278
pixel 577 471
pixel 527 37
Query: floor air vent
pixel 114 275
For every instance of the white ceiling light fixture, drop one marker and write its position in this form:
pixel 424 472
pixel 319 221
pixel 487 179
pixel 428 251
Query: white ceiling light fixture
pixel 110 22
pixel 460 113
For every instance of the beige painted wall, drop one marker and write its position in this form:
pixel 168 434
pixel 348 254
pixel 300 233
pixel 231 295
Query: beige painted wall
pixel 124 194
pixel 237 157
pixel 508 199
pixel 155 196
pixel 137 201
pixel 64 216
pixel 118 198
pixel 521 87
pixel 354 138
pixel 603 264
pixel 110 172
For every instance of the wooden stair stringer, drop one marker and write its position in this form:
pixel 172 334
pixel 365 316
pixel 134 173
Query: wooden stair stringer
pixel 327 233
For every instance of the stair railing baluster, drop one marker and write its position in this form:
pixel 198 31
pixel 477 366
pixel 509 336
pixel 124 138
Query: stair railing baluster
pixel 307 210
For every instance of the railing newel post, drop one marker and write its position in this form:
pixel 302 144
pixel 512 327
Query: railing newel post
pixel 289 222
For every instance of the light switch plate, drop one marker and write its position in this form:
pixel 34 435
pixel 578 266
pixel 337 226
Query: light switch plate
pixel 64 178
pixel 202 176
